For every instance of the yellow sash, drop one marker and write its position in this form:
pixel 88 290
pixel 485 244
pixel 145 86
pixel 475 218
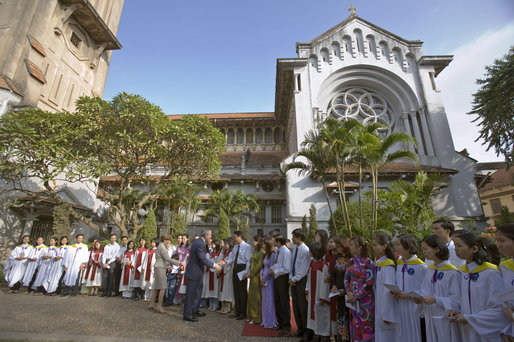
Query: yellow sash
pixel 447 267
pixel 480 268
pixel 416 261
pixel 386 262
pixel 508 264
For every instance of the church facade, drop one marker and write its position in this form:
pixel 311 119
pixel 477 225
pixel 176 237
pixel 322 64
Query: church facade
pixel 354 70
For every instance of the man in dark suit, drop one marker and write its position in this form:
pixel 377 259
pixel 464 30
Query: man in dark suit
pixel 194 276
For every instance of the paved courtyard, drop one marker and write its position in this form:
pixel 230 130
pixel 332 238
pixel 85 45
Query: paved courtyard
pixel 31 318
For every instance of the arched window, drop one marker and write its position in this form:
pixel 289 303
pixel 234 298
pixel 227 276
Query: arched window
pixel 277 136
pixel 249 136
pixel 258 136
pixel 230 136
pixel 324 55
pixel 267 136
pixel 336 49
pixel 313 60
pixel 240 136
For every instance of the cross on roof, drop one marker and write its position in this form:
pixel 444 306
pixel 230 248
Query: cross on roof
pixel 352 9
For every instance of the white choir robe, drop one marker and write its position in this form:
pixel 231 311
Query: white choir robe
pixel 56 270
pixel 385 304
pixel 213 275
pixel 227 289
pixel 140 252
pixel 93 277
pixel 76 255
pixel 205 287
pixel 45 265
pixel 125 287
pixel 478 300
pixel 318 304
pixel 492 323
pixel 410 280
pixel 15 269
pixel 148 271
pixel 445 287
pixel 32 265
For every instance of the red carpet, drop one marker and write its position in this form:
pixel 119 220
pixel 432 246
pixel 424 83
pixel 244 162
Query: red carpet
pixel 257 330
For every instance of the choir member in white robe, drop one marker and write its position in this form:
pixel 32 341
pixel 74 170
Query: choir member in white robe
pixel 136 279
pixel 45 266
pixel 148 271
pixel 505 241
pixel 445 230
pixel 226 296
pixel 33 263
pixel 318 291
pixel 410 273
pixel 480 281
pixel 15 268
pixel 203 300
pixel 440 291
pixel 127 269
pixel 57 270
pixel 74 262
pixel 213 283
pixel 386 315
pixel 93 272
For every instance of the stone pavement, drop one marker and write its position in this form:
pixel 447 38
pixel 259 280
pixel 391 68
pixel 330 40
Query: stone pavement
pixel 32 318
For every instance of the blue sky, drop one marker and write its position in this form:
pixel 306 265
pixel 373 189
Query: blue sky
pixel 211 56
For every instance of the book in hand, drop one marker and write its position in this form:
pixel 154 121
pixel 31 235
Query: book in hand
pixel 353 306
pixel 334 294
pixel 392 287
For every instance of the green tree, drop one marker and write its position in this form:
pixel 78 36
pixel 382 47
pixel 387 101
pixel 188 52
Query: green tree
pixel 61 215
pixel 304 224
pixel 493 103
pixel 178 193
pixel 505 217
pixel 149 230
pixel 179 225
pixel 313 225
pixel 122 138
pixel 224 226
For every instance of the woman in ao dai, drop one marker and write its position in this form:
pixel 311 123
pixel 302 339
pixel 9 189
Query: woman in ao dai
pixel 318 291
pixel 147 270
pixel 440 291
pixel 410 272
pixel 358 284
pixel 269 318
pixel 127 266
pixel 480 281
pixel 15 268
pixel 386 315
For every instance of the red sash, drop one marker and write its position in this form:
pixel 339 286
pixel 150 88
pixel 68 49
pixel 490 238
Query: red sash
pixel 331 258
pixel 139 261
pixel 126 274
pixel 315 267
pixel 95 263
pixel 148 271
pixel 211 273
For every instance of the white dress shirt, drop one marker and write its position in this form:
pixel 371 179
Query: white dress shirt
pixel 245 253
pixel 122 251
pixel 283 264
pixel 110 253
pixel 302 264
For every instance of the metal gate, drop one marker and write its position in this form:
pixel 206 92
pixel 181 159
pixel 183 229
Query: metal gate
pixel 42 227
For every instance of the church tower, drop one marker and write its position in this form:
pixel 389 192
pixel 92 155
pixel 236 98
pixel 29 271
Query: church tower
pixel 54 51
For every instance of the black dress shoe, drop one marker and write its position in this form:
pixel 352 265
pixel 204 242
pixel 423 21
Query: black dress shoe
pixel 234 315
pixel 297 333
pixel 104 295
pixel 241 317
pixel 191 319
pixel 199 314
pixel 284 332
pixel 276 328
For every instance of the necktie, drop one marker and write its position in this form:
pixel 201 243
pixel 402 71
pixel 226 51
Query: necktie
pixel 404 268
pixel 276 256
pixel 237 254
pixel 294 261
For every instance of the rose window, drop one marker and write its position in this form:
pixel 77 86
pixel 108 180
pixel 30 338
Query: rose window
pixel 362 105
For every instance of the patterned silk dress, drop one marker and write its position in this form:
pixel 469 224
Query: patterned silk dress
pixel 359 279
pixel 343 315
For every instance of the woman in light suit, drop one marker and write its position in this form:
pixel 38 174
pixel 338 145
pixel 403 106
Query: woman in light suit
pixel 162 259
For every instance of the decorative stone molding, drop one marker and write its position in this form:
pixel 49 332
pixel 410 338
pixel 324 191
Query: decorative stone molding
pixel 68 11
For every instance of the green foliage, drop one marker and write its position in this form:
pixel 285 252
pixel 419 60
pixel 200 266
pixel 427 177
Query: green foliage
pixel 236 204
pixel 179 225
pixel 358 229
pixel 224 226
pixel 149 230
pixel 61 215
pixel 177 193
pixel 505 217
pixel 304 224
pixel 493 103
pixel 243 225
pixel 313 226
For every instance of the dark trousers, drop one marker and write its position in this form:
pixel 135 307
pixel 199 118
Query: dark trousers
pixel 117 277
pixel 108 275
pixel 59 286
pixel 29 288
pixel 240 290
pixel 172 287
pixel 300 304
pixel 192 298
pixel 16 286
pixel 74 288
pixel 282 309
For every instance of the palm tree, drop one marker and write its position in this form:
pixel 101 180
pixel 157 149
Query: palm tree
pixel 315 156
pixel 376 152
pixel 176 194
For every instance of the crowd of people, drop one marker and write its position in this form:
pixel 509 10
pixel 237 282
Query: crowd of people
pixel 462 291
